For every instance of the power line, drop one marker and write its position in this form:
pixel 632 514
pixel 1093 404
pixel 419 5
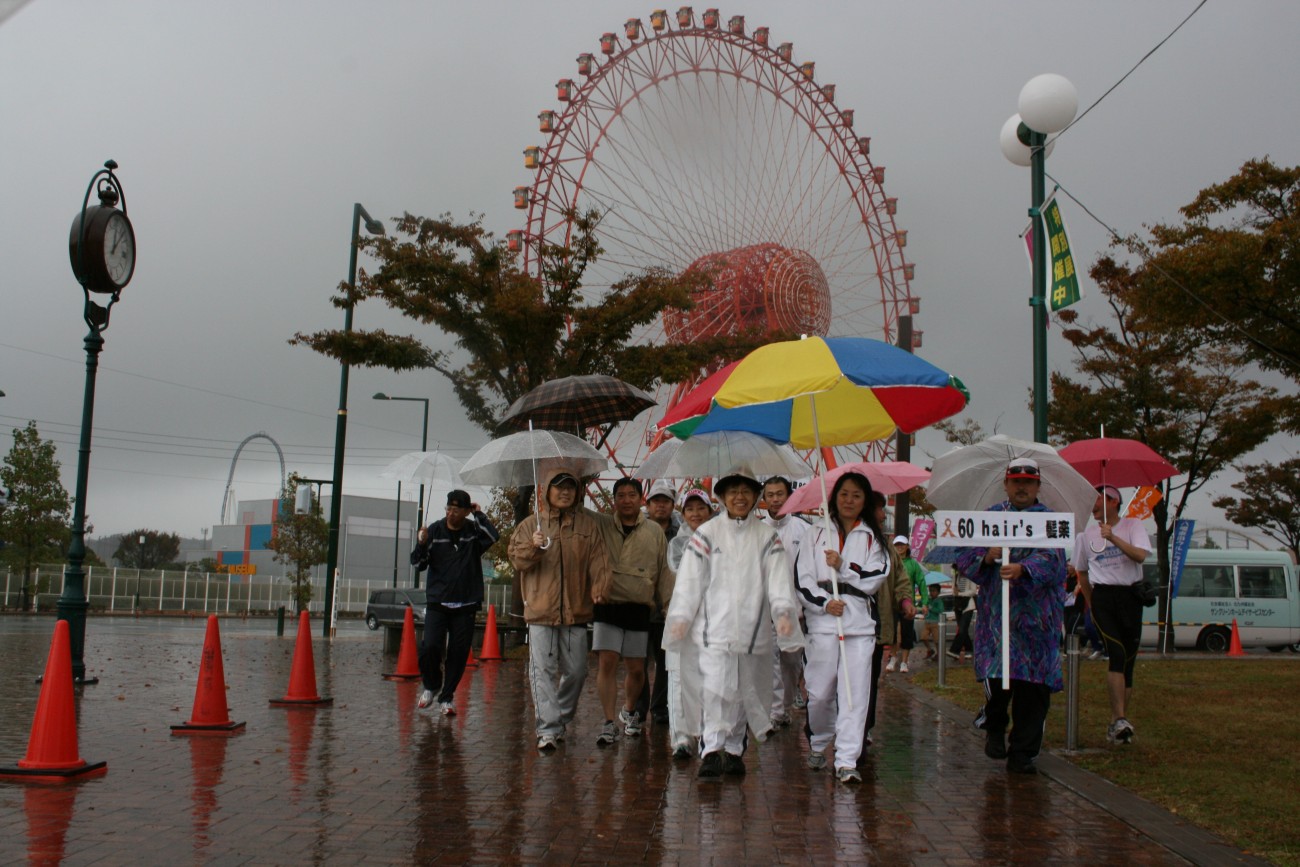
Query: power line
pixel 1130 72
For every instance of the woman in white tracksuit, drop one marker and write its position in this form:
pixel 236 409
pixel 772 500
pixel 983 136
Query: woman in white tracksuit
pixel 853 551
pixel 684 715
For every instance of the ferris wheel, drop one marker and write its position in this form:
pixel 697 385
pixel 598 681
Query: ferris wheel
pixel 704 147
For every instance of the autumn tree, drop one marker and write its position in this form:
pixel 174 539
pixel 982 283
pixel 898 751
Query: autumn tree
pixel 513 331
pixel 35 522
pixel 1269 501
pixel 157 550
pixel 1155 382
pixel 300 540
pixel 1228 275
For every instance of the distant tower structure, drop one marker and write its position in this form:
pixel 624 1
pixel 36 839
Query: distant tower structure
pixel 226 498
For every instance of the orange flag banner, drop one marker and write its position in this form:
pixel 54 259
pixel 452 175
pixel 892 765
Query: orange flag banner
pixel 1143 502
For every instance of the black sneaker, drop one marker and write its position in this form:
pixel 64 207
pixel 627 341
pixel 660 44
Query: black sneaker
pixel 1016 766
pixel 711 766
pixel 733 765
pixel 995 745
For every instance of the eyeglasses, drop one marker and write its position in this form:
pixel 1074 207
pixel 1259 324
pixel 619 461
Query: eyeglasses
pixel 1022 471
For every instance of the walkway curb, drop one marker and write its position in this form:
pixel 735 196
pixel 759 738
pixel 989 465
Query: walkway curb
pixel 1184 839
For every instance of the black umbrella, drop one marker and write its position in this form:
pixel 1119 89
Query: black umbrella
pixel 575 403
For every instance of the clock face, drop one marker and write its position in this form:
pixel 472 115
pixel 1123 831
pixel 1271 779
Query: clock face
pixel 119 249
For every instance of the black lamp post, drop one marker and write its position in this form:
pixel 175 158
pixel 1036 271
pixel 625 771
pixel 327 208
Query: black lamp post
pixel 101 248
pixel 374 227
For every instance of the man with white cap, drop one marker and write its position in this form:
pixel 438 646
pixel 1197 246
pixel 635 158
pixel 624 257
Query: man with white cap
pixel 733 580
pixel 787 669
pixel 660 503
pixel 1037 590
pixel 1108 557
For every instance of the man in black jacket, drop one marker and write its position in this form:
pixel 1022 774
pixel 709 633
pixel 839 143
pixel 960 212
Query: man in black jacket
pixel 452 550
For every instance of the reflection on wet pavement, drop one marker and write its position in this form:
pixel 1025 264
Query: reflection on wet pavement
pixel 373 779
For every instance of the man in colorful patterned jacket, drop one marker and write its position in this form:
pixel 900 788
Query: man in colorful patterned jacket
pixel 1037 577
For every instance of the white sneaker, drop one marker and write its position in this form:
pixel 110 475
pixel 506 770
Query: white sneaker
pixel 890 666
pixel 848 775
pixel 426 699
pixel 902 668
pixel 816 760
pixel 446 708
pixel 546 743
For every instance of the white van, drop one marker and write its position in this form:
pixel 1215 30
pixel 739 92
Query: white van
pixel 1256 588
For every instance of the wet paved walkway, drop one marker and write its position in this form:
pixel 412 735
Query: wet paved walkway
pixel 373 780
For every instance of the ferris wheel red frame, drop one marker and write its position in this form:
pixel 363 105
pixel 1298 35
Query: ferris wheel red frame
pixel 641 60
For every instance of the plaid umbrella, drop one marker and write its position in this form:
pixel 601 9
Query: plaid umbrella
pixel 576 403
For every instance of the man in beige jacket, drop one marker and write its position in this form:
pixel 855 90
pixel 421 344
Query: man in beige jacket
pixel 563 569
pixel 638 556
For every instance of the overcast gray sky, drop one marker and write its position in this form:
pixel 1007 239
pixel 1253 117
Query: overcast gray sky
pixel 246 130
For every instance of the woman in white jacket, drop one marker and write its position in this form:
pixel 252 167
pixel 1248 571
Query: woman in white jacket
pixel 852 551
pixel 732 588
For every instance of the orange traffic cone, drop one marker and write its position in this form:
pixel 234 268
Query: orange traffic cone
pixel 52 752
pixel 1234 646
pixel 210 715
pixel 491 649
pixel 302 678
pixel 408 655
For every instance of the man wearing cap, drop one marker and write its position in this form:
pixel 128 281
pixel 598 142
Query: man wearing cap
pixel 734 580
pixel 653 701
pixel 1037 582
pixel 1108 557
pixel 787 666
pixel 452 550
pixel 638 557
pixel 907 605
pixel 563 569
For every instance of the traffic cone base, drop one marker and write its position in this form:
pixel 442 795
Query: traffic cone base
pixel 52 752
pixel 210 715
pixel 408 654
pixel 491 649
pixel 1234 646
pixel 302 678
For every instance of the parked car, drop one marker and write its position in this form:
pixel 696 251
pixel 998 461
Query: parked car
pixel 388 607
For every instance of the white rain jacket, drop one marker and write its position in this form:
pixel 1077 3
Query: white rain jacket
pixel 864 568
pixel 732 586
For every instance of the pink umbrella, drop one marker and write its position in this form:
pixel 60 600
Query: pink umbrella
pixel 887 477
pixel 1120 462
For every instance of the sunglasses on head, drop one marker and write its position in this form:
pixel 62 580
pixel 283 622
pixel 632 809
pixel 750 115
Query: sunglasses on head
pixel 1022 471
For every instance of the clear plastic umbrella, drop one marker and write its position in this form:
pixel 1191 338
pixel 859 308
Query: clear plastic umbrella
pixel 427 468
pixel 509 461
pixel 712 454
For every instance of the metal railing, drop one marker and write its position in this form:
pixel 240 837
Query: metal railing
pixel 117 589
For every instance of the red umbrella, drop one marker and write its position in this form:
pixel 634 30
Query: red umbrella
pixel 1120 462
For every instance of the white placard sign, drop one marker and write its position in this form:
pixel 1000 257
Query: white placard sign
pixel 1005 529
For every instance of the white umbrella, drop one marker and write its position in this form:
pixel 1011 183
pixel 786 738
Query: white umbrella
pixel 971 477
pixel 712 454
pixel 428 468
pixel 508 461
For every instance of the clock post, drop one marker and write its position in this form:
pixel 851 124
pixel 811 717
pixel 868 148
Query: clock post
pixel 101 247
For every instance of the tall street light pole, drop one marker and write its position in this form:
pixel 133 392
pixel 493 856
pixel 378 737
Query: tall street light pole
pixel 374 227
pixel 424 447
pixel 101 247
pixel 1048 104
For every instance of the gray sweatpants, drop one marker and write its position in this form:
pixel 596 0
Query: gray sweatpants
pixel 556 652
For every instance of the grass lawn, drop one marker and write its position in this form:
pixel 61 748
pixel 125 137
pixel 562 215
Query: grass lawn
pixel 1218 741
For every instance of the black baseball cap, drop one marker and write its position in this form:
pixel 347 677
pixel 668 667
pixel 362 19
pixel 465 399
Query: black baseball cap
pixel 460 499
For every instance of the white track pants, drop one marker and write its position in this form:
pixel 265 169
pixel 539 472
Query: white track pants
pixel 723 679
pixel 685 718
pixel 829 715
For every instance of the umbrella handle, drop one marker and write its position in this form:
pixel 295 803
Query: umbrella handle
pixel 537 489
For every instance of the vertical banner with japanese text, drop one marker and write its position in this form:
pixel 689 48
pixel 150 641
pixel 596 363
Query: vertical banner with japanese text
pixel 1063 288
pixel 1183 528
